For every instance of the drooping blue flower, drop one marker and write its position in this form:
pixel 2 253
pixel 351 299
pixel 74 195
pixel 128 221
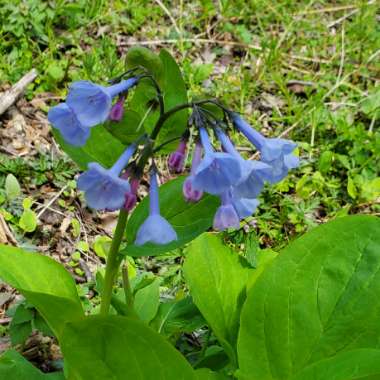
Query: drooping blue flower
pixel 103 188
pixel 254 173
pixel 253 183
pixel 155 229
pixel 276 152
pixel 244 207
pixel 64 119
pixel 217 171
pixel 282 165
pixel 92 103
pixel 191 194
pixel 226 215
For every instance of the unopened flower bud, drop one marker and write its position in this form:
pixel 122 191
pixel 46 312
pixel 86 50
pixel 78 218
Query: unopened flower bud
pixel 131 196
pixel 117 110
pixel 176 160
pixel 191 194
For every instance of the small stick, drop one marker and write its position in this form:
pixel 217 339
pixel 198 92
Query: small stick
pixel 193 40
pixel 172 19
pixel 300 82
pixel 308 59
pixel 51 201
pixel 327 10
pixel 9 97
pixel 8 234
pixel 346 16
pixel 86 270
pixel 341 58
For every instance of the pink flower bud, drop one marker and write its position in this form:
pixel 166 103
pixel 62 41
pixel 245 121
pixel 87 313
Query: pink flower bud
pixel 191 194
pixel 117 110
pixel 131 196
pixel 176 160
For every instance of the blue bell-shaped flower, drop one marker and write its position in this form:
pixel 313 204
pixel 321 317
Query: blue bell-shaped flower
pixel 155 228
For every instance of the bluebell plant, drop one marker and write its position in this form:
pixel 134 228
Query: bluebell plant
pixel 224 173
pixel 217 167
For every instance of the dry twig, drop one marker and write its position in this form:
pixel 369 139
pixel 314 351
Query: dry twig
pixel 9 97
pixel 348 15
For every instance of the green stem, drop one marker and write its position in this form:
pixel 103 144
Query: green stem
pixel 113 263
pixel 160 122
pixel 165 116
pixel 158 91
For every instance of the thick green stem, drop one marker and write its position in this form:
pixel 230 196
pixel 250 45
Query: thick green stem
pixel 113 263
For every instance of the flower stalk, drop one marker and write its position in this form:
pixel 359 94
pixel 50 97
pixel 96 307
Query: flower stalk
pixel 113 263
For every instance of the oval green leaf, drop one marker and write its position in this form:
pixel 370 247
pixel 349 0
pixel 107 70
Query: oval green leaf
pixel 217 281
pixel 101 147
pixel 14 366
pixel 318 299
pixel 44 283
pixel 361 364
pixel 119 348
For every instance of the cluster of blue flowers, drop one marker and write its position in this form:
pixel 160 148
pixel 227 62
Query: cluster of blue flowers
pixel 86 106
pixel 224 173
pixel 237 181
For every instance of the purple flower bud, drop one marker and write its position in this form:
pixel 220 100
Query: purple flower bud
pixel 191 194
pixel 103 188
pixel 131 196
pixel 155 229
pixel 117 110
pixel 92 103
pixel 226 215
pixel 275 152
pixel 64 119
pixel 176 160
pixel 217 172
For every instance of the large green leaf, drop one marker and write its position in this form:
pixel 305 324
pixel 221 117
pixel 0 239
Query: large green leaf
pixel 206 374
pixel 264 258
pixel 14 366
pixel 217 282
pixel 173 89
pixel 128 129
pixel 175 317
pixel 174 93
pixel 44 283
pixel 318 299
pixel 147 301
pixel 142 56
pixel 188 219
pixel 101 147
pixel 362 364
pixel 118 348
